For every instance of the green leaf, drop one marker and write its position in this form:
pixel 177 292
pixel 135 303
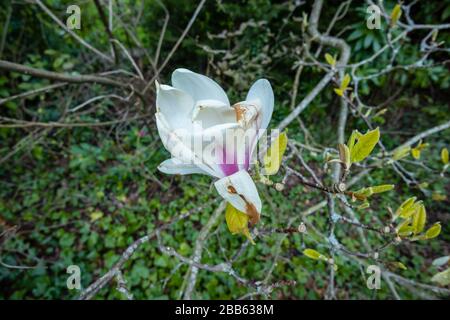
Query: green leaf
pixel 313 254
pixel 339 92
pixel 345 82
pixel 401 153
pixel 364 145
pixel 382 188
pixel 330 59
pixel 400 265
pixel 352 140
pixel 419 219
pixel 434 231
pixel 444 155
pixel 442 278
pixel 273 157
pixel 237 222
pixel 96 215
pixel 396 14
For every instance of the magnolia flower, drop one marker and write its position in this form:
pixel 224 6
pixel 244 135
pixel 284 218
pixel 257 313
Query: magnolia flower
pixel 196 108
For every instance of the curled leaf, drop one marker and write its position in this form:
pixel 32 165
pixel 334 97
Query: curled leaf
pixel 237 222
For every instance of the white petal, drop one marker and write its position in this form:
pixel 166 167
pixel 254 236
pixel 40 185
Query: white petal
pixel 240 191
pixel 175 141
pixel 198 86
pixel 261 93
pixel 209 113
pixel 176 166
pixel 176 106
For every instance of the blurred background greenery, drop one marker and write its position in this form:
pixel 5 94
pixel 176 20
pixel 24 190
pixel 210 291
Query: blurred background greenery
pixel 81 195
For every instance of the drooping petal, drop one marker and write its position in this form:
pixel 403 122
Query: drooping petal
pixel 261 93
pixel 176 106
pixel 198 86
pixel 176 166
pixel 240 191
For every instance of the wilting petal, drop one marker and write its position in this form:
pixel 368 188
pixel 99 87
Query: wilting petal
pixel 240 191
pixel 198 86
pixel 176 166
pixel 261 93
pixel 175 105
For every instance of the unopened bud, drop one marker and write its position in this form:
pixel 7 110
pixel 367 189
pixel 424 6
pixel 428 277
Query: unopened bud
pixel 279 186
pixel 302 228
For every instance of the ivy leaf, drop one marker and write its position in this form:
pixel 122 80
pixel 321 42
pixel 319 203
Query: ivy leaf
pixel 442 278
pixel 444 155
pixel 419 219
pixel 272 159
pixel 330 59
pixel 396 14
pixel 364 146
pixel 434 231
pixel 96 215
pixel 237 222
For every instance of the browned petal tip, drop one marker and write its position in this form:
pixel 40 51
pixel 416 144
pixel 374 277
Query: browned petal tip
pixel 252 213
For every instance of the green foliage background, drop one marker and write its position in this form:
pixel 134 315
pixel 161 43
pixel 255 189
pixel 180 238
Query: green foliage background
pixel 53 187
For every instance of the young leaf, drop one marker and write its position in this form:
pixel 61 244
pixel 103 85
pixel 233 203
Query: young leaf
pixel 313 254
pixel 272 159
pixel 352 140
pixel 396 14
pixel 434 231
pixel 444 155
pixel 401 153
pixel 382 188
pixel 400 265
pixel 330 59
pixel 442 278
pixel 339 92
pixel 344 155
pixel 345 82
pixel 419 219
pixel 237 222
pixel 364 145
